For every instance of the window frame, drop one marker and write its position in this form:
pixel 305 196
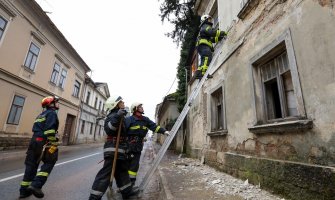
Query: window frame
pixel 261 124
pixel 2 30
pixel 55 71
pixel 76 92
pixel 82 128
pixel 212 111
pixel 88 96
pixel 16 107
pixel 62 79
pixel 96 102
pixel 30 67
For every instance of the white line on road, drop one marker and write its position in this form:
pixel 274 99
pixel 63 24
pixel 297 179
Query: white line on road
pixel 62 163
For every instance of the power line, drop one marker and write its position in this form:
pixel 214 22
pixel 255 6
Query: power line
pixel 170 87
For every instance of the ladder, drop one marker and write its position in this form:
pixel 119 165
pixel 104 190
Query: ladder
pixel 175 127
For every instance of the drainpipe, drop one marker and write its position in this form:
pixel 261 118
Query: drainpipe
pixel 79 116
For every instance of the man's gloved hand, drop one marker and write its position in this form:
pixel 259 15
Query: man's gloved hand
pixel 122 112
pixel 167 133
pixel 223 35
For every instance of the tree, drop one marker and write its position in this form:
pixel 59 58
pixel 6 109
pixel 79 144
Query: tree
pixel 186 24
pixel 180 14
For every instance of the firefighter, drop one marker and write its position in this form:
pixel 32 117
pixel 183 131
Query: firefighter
pixel 42 147
pixel 116 108
pixel 137 126
pixel 207 36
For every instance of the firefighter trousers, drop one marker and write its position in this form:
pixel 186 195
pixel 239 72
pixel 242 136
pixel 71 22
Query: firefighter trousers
pixel 205 53
pixel 33 158
pixel 102 179
pixel 134 164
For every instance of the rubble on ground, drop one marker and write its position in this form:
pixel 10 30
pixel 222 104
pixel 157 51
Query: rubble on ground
pixel 223 183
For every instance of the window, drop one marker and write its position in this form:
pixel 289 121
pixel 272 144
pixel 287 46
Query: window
pixel 3 24
pixel 55 72
pixel 277 101
pixel 96 102
pixel 16 110
pixel 278 88
pixel 99 105
pixel 31 59
pixel 217 110
pixel 88 97
pixel 82 127
pixel 62 78
pixel 76 89
pixel 91 129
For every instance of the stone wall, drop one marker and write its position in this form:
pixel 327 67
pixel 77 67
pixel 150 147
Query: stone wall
pixel 8 143
pixel 292 180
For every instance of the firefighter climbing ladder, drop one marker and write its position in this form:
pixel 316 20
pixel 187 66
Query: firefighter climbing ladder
pixel 175 127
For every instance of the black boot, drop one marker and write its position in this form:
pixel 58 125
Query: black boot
pixel 24 194
pixel 209 76
pixel 132 194
pixel 198 74
pixel 37 192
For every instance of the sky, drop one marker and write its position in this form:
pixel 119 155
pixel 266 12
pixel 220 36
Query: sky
pixel 123 43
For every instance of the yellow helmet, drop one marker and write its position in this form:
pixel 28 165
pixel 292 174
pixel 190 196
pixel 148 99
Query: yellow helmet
pixel 134 106
pixel 112 102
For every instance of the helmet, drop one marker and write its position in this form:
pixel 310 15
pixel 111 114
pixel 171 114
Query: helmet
pixel 204 18
pixel 47 101
pixel 134 106
pixel 112 102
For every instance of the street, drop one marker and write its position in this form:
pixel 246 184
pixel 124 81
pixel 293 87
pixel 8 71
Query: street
pixel 177 178
pixel 72 176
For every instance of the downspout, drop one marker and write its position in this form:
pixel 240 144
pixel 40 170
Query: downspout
pixel 79 116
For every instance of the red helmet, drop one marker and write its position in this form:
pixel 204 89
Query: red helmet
pixel 47 101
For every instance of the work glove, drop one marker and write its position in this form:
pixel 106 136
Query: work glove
pixel 167 133
pixel 223 35
pixel 122 112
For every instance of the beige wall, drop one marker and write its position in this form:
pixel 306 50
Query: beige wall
pixel 28 23
pixel 311 26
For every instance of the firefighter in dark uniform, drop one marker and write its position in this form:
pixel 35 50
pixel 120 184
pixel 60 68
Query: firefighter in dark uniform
pixel 116 109
pixel 207 36
pixel 42 147
pixel 137 126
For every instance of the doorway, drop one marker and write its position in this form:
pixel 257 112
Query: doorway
pixel 68 129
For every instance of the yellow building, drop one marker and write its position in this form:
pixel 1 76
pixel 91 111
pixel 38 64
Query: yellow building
pixel 36 60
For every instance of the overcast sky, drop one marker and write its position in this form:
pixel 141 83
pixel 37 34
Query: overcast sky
pixel 123 43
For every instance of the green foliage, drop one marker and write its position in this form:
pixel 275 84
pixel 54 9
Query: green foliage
pixel 180 14
pixel 185 31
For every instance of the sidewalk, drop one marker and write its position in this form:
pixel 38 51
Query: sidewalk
pixel 21 153
pixel 186 178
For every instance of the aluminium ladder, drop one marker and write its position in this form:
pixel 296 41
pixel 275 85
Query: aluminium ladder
pixel 175 127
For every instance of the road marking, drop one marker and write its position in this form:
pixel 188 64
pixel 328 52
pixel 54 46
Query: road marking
pixel 62 163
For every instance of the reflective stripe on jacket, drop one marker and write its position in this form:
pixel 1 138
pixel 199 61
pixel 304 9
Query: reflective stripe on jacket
pixel 46 125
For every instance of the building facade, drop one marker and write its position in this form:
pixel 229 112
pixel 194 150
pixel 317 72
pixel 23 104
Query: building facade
pixel 36 61
pixel 268 113
pixel 91 124
pixel 166 115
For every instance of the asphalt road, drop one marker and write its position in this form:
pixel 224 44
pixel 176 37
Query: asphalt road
pixel 72 177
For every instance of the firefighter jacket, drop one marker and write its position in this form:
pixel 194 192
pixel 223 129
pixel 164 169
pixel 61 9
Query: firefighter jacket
pixel 208 35
pixel 137 129
pixel 46 126
pixel 111 127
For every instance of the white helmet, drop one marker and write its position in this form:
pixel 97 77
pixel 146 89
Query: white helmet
pixel 204 18
pixel 134 106
pixel 112 102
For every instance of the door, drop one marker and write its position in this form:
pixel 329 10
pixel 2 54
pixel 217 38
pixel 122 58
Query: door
pixel 68 129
